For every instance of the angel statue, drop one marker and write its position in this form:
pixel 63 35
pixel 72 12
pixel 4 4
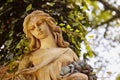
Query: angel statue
pixel 49 57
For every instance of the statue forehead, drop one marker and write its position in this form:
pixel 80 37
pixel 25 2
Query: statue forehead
pixel 35 19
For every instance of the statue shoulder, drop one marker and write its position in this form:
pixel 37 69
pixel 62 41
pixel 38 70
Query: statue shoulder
pixel 70 50
pixel 73 54
pixel 63 50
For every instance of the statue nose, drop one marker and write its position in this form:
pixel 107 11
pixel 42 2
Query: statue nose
pixel 38 27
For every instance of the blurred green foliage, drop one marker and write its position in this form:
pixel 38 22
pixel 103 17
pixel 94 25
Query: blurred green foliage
pixel 118 77
pixel 99 13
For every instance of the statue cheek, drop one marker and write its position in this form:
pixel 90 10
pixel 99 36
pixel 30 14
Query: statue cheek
pixel 34 33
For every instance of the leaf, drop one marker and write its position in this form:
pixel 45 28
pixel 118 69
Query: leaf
pixel 85 6
pixel 68 26
pixel 11 33
pixel 62 24
pixel 29 7
pixel 9 0
pixel 8 43
pixel 91 36
pixel 50 4
pixel 118 77
pixel 63 29
pixel 77 31
pixel 109 73
pixel 75 24
pixel 89 51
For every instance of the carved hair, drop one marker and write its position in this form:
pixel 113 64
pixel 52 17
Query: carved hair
pixel 56 30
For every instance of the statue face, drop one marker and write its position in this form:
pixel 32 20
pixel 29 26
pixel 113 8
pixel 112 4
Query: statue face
pixel 39 29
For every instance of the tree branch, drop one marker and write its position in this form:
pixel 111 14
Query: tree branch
pixel 107 21
pixel 110 7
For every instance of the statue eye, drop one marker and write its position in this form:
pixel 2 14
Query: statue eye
pixel 38 23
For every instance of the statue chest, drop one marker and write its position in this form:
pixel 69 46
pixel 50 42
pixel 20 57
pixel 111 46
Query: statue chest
pixel 48 56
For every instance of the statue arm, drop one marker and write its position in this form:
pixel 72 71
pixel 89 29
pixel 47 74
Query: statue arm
pixel 24 63
pixel 48 60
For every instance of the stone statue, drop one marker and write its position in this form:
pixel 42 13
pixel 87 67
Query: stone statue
pixel 49 53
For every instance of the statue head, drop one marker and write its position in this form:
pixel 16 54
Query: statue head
pixel 43 18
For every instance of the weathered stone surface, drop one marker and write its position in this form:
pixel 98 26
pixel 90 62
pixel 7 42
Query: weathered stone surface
pixel 49 53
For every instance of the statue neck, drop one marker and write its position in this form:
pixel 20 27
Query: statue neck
pixel 48 42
